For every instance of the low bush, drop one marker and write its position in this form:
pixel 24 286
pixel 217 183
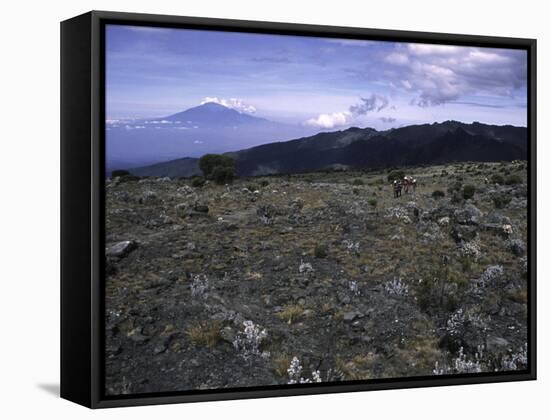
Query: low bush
pixel 454 187
pixel 321 251
pixel 468 191
pixel 197 181
pixel 513 179
pixel 438 194
pixel 497 179
pixel 501 201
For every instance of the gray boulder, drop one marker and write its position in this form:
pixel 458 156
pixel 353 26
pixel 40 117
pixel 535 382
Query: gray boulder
pixel 120 249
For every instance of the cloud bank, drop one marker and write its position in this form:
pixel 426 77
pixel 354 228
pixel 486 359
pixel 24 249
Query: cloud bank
pixel 233 103
pixel 373 103
pixel 439 74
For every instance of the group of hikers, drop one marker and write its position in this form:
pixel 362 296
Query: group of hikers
pixel 408 183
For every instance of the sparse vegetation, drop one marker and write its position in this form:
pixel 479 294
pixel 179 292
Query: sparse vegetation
pixel 241 276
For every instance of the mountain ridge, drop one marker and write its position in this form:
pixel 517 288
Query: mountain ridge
pixel 368 148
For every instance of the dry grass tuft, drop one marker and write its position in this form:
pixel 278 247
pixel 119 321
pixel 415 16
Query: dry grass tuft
pixel 291 313
pixel 206 333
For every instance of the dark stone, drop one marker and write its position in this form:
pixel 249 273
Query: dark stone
pixel 352 316
pixel 201 208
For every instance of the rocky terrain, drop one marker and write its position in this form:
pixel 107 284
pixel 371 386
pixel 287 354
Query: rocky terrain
pixel 315 277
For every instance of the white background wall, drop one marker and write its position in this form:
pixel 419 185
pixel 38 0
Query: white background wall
pixel 29 169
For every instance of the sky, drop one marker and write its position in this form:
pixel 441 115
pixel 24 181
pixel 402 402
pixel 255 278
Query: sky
pixel 324 83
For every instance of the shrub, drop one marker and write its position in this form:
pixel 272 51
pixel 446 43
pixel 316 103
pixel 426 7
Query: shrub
pixel 358 181
pixel 197 181
pixel 497 179
pixel 248 342
pixel 373 202
pixel 456 198
pixel 119 172
pixel 468 191
pixel 454 187
pixel 396 175
pixel 438 290
pixel 501 201
pixel 251 187
pixel 513 179
pixel 220 168
pixel 264 183
pixel 321 251
pixel 355 191
pixel 438 194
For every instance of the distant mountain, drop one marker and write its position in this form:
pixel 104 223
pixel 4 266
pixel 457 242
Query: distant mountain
pixel 355 148
pixel 208 128
pixel 212 114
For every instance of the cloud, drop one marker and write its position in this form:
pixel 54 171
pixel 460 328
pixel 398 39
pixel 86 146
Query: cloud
pixel 233 103
pixel 148 29
pixel 439 74
pixel 398 59
pixel 387 120
pixel 373 103
pixel 275 60
pixel 336 119
pixel 351 42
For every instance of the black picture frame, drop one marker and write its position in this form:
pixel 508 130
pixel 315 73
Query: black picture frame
pixel 82 207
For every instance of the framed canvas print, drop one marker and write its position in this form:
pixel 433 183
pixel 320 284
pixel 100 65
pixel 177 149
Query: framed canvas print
pixel 256 209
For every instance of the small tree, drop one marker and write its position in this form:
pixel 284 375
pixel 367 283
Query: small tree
pixel 396 175
pixel 220 168
pixel 223 174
